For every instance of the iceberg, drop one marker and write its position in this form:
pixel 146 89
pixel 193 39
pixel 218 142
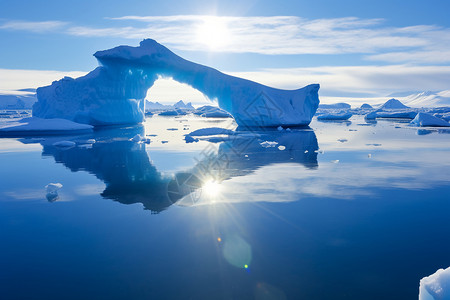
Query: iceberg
pixel 342 116
pixel 114 93
pixel 402 114
pixel 209 111
pixel 424 120
pixel 211 131
pixel 366 106
pixel 335 106
pixel 435 286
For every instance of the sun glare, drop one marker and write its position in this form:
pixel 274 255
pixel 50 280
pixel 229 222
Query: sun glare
pixel 211 188
pixel 213 32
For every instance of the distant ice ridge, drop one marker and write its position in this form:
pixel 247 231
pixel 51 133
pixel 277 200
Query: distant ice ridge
pixel 20 99
pixel 114 92
pixel 38 126
pixel 435 286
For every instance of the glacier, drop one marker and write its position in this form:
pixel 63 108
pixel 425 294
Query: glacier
pixel 114 93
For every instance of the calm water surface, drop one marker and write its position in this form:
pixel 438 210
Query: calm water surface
pixel 344 210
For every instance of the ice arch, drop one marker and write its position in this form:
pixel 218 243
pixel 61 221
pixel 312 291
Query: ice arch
pixel 114 92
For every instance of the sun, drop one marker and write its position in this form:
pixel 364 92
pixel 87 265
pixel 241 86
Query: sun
pixel 213 32
pixel 211 188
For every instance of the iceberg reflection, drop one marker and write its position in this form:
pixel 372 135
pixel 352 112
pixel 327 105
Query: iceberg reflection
pixel 130 176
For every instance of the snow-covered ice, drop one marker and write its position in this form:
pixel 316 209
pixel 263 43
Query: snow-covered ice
pixel 435 286
pixel 34 125
pixel 366 106
pixel 114 92
pixel 424 120
pixel 335 106
pixel 393 104
pixel 335 116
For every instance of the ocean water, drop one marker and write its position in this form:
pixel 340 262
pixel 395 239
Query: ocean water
pixel 341 210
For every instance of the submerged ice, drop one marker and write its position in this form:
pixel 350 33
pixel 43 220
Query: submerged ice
pixel 114 92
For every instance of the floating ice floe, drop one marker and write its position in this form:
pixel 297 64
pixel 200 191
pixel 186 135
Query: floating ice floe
pixel 211 131
pixel 341 116
pixel 38 126
pixel 52 191
pixel 406 114
pixel 268 144
pixel 435 286
pixel 114 93
pixel 174 112
pixel 209 111
pixel 64 144
pixel 424 120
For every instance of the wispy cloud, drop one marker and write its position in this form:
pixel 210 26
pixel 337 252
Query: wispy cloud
pixel 38 27
pixel 291 35
pixel 274 35
pixel 373 81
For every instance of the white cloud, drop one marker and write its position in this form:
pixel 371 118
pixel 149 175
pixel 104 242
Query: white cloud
pixel 290 35
pixel 275 35
pixel 371 80
pixel 38 27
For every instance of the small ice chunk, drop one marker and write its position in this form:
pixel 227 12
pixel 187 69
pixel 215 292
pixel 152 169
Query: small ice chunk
pixel 64 144
pixel 335 161
pixel 306 151
pixel 435 286
pixel 268 144
pixel 281 147
pixel 52 191
pixel 280 128
pixel 288 129
pixel 369 155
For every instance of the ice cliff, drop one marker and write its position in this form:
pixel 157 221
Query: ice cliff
pixel 114 92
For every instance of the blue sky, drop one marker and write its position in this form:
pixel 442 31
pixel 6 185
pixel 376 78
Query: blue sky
pixel 353 48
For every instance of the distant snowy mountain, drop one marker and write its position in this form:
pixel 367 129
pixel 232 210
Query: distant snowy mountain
pixel 393 104
pixel 181 105
pixel 428 99
pixel 152 106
